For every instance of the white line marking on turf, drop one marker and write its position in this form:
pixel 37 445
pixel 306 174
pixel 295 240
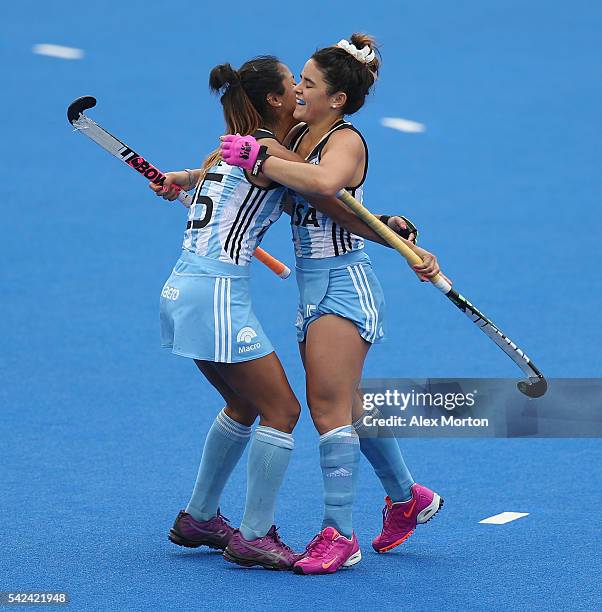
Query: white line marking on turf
pixel 403 125
pixel 503 518
pixel 57 51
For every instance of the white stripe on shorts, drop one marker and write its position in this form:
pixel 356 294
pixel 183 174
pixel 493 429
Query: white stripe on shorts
pixel 222 356
pixel 229 320
pixel 222 320
pixel 362 298
pixel 372 304
pixel 216 318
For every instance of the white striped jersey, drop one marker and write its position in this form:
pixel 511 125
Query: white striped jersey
pixel 316 235
pixel 230 215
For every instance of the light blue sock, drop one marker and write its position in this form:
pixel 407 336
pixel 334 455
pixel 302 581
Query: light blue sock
pixel 224 445
pixel 339 460
pixel 268 459
pixel 382 451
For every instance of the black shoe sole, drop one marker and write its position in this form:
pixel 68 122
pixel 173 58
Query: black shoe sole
pixel 176 538
pixel 228 556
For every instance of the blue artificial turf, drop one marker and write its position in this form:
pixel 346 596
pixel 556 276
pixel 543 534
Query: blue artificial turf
pixel 102 431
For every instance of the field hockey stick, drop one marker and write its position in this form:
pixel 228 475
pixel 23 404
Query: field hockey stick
pixel 536 385
pixel 83 124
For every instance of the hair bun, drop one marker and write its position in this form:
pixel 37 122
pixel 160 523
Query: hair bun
pixel 223 76
pixel 362 40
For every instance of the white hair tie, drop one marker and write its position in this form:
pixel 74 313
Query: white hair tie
pixel 365 55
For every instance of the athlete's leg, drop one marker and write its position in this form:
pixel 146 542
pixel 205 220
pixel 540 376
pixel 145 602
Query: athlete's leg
pixel 334 355
pixel 224 445
pixel 237 407
pixel 265 382
pixel 407 503
pixel 382 451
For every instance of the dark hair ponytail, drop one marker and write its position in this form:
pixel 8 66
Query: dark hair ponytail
pixel 244 96
pixel 240 114
pixel 343 72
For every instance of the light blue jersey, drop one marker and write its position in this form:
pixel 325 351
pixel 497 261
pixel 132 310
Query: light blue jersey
pixel 316 235
pixel 230 215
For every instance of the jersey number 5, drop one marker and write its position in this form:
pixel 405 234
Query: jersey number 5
pixel 206 200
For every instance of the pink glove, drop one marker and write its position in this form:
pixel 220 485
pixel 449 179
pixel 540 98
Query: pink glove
pixel 239 150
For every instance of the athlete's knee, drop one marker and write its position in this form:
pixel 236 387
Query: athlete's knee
pixel 329 408
pixel 329 416
pixel 281 415
pixel 358 407
pixel 241 411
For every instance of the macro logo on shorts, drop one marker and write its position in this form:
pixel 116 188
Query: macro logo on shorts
pixel 246 336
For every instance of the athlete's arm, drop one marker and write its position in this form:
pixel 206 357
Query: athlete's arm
pixel 186 179
pixel 345 218
pixel 330 206
pixel 337 168
pixel 280 151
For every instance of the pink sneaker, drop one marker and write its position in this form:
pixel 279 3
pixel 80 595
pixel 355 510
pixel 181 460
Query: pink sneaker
pixel 327 552
pixel 400 519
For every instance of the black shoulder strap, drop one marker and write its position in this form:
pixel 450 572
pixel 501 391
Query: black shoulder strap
pixel 350 126
pixel 317 150
pixel 302 129
pixel 260 133
pixel 342 125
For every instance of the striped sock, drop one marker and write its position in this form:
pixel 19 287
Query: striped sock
pixel 339 460
pixel 224 445
pixel 382 451
pixel 268 459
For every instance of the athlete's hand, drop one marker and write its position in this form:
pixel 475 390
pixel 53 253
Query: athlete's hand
pixel 172 185
pixel 429 266
pixel 239 150
pixel 404 227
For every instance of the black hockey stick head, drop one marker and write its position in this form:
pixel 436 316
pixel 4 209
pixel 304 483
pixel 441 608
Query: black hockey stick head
pixel 77 107
pixel 534 387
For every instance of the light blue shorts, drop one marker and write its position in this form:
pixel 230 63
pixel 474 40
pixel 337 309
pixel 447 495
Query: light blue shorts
pixel 345 286
pixel 206 312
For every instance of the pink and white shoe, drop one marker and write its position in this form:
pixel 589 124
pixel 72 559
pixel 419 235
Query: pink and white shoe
pixel 328 552
pixel 400 519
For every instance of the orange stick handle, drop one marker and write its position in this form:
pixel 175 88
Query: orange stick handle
pixel 276 266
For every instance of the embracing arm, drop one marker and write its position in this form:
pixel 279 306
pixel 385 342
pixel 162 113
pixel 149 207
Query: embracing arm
pixel 345 218
pixel 339 162
pixel 330 205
